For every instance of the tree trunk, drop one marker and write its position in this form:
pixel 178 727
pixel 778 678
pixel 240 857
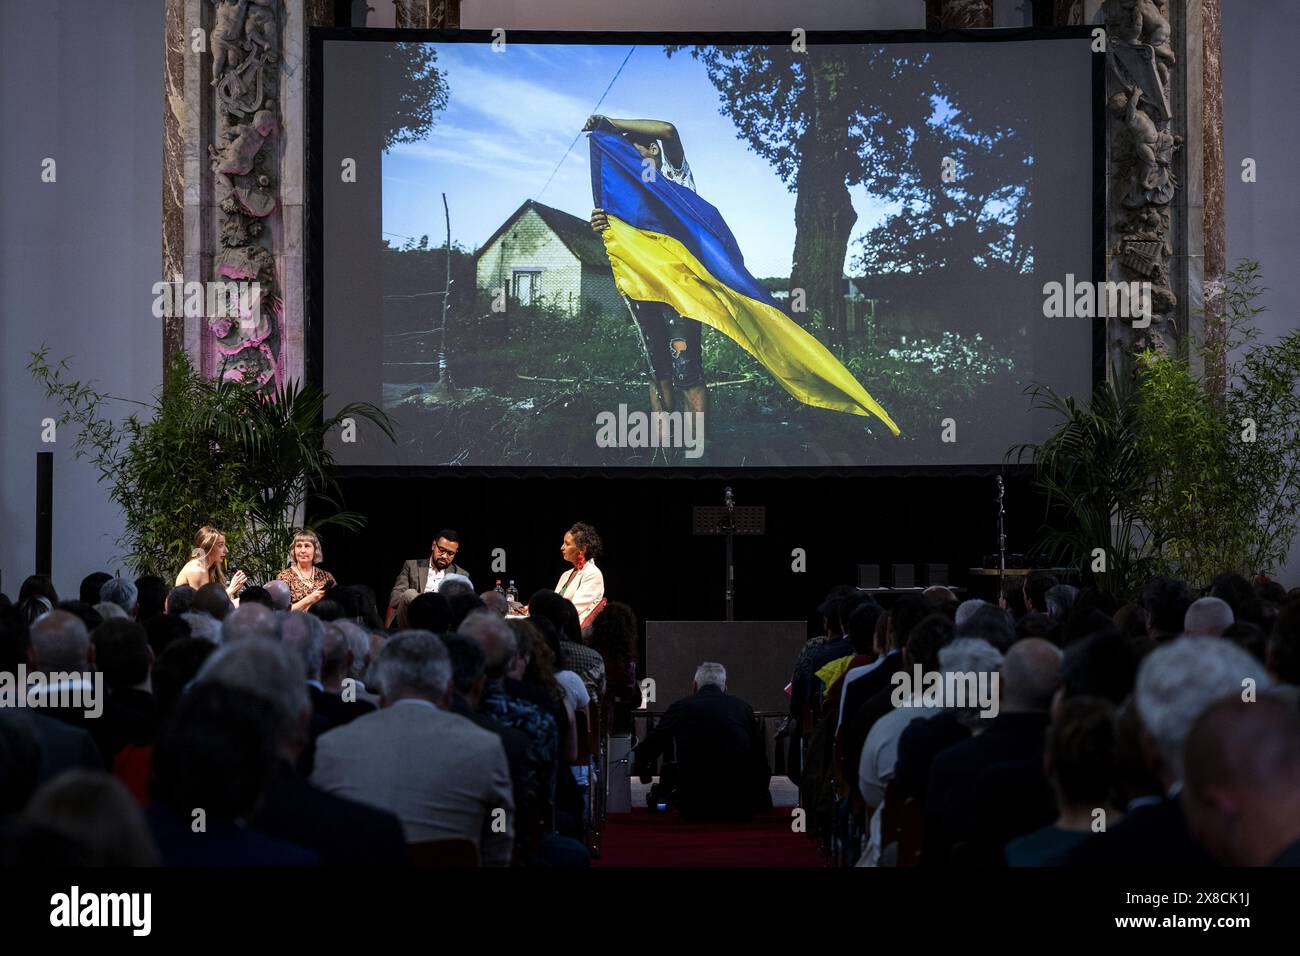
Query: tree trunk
pixel 823 211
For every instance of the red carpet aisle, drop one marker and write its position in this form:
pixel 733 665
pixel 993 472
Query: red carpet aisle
pixel 643 838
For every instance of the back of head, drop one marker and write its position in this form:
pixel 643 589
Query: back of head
pixel 122 653
pixel 614 633
pixel 91 586
pixel 455 585
pixel 1081 752
pixel 326 610
pixel 204 626
pixel 558 610
pixel 122 592
pixel 1238 593
pixel 334 654
pixel 989 623
pixel 271 671
pixel 162 629
pixel 1251 638
pixel 1060 599
pixel 711 674
pixel 926 639
pixel 460 606
pixel 1030 675
pixel 968 658
pixel 109 611
pixel 414 664
pixel 1207 617
pixel 1102 666
pixel 61 643
pixel 1166 601
pixel 216 751
pixel 1179 680
pixel 85 612
pixel 1013 595
pixel 1085 622
pixel 862 626
pixel 15 638
pixel 1284 643
pixel 304 634
pixel 180 600
pixel 940 600
pixel 281 595
pixel 211 599
pixel 907 612
pixel 97 815
pixel 250 621
pixel 495 637
pixel 151 592
pixel 176 667
pixel 256 594
pixel 495 602
pixel 430 612
pixel 38 585
pixel 468 664
pixel 33 607
pixel 1037 584
pixel 1251 746
pixel 358 642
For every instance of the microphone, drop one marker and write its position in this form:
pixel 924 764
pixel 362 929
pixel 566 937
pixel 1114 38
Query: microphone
pixel 727 497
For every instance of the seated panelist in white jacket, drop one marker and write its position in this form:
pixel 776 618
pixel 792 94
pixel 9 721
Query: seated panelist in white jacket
pixel 583 584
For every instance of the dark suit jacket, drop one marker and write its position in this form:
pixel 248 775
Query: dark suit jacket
pixel 1153 835
pixel 852 732
pixel 343 832
pixel 223 843
pixel 985 790
pixel 130 717
pixel 415 574
pixel 63 746
pixel 529 807
pixel 721 757
pixel 921 741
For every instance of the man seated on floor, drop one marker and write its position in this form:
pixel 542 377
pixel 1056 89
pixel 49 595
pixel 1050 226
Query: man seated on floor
pixel 720 771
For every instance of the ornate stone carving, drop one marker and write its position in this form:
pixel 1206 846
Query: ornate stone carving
pixel 245 65
pixel 1142 185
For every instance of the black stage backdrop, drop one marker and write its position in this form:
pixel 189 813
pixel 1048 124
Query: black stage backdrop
pixel 653 562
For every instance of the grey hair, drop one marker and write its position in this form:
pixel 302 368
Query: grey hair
pixel 203 625
pixel 358 639
pixel 1207 617
pixel 271 671
pixel 494 635
pixel 1059 601
pixel 453 584
pixel 414 664
pixel 281 594
pixel 122 592
pixel 110 610
pixel 250 620
pixel 305 633
pixel 1178 681
pixel 966 608
pixel 61 642
pixel 989 623
pixel 306 534
pixel 969 655
pixel 711 672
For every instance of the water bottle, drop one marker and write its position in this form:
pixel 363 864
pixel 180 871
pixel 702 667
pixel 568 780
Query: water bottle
pixel 499 589
pixel 512 593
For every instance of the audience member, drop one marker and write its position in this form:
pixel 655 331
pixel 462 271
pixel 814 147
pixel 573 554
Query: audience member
pixel 429 612
pixel 1060 600
pixel 151 592
pixel 86 613
pixel 1207 617
pixel 1037 584
pixel 123 593
pixel 203 626
pixel 108 611
pixel 180 600
pixel 91 586
pixel 719 770
pixel 250 620
pixel 438 773
pixel 130 716
pixel 1165 601
pixel 256 594
pixel 212 599
pixel 95 818
pixel 281 595
pixel 614 638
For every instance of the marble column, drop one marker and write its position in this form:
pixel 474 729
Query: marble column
pixel 173 202
pixel 1213 228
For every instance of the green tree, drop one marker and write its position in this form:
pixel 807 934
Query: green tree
pixel 413 89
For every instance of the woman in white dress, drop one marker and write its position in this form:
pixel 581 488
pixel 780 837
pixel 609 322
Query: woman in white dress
pixel 583 584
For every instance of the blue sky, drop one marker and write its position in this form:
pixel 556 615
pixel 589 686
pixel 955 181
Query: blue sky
pixel 510 117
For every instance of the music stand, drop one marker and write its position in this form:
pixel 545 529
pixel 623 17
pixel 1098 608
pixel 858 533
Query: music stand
pixel 729 521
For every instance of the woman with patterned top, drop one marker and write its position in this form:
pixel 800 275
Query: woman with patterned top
pixel 307 582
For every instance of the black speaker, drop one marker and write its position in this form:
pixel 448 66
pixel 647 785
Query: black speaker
pixel 936 574
pixel 868 575
pixel 904 576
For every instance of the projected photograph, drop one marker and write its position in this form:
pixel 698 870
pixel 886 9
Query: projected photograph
pixel 684 256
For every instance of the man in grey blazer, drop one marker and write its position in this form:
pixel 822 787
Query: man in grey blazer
pixel 419 575
pixel 441 775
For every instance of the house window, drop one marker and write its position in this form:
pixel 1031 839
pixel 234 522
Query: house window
pixel 527 283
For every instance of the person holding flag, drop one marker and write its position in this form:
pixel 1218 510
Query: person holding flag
pixel 667 245
pixel 672 342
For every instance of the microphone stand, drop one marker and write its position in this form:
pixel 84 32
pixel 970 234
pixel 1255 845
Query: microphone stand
pixel 1002 539
pixel 730 529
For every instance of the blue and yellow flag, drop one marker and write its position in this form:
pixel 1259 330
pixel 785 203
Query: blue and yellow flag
pixel 666 244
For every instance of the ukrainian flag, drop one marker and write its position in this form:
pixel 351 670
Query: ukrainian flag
pixel 666 244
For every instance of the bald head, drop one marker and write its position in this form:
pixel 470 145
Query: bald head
pixel 494 636
pixel 60 642
pixel 280 594
pixel 1207 617
pixel 1030 674
pixel 248 621
pixel 1241 777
